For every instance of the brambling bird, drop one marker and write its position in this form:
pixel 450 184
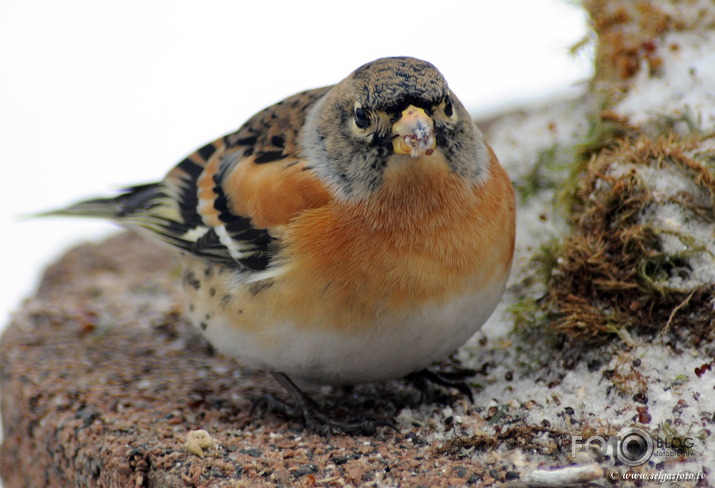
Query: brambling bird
pixel 346 234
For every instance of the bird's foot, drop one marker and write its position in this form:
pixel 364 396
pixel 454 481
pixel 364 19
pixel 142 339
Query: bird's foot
pixel 308 410
pixel 424 379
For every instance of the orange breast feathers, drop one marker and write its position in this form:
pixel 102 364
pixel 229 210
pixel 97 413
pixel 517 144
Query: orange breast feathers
pixel 426 236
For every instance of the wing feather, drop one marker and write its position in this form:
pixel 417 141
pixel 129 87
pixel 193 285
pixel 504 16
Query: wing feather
pixel 227 201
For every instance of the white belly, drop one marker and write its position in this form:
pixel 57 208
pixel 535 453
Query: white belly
pixel 389 348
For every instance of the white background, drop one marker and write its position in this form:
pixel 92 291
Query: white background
pixel 96 95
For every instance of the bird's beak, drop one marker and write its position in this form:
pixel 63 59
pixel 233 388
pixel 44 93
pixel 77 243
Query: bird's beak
pixel 413 134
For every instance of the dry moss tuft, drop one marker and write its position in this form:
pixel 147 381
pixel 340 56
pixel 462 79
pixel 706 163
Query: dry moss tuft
pixel 613 270
pixel 628 37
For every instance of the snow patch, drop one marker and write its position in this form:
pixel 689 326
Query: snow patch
pixel 684 88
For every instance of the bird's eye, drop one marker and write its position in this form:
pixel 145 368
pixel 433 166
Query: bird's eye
pixel 362 120
pixel 448 107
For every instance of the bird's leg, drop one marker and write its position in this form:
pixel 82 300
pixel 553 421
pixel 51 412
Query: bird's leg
pixel 313 418
pixel 422 379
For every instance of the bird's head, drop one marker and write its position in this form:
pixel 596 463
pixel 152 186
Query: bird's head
pixel 391 111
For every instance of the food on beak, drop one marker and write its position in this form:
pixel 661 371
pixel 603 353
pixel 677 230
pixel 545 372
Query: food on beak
pixel 413 134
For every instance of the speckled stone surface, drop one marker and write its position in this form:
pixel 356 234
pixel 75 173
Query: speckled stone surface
pixel 103 380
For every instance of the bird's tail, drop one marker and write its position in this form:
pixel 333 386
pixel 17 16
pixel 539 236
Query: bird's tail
pixel 154 211
pixel 134 205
